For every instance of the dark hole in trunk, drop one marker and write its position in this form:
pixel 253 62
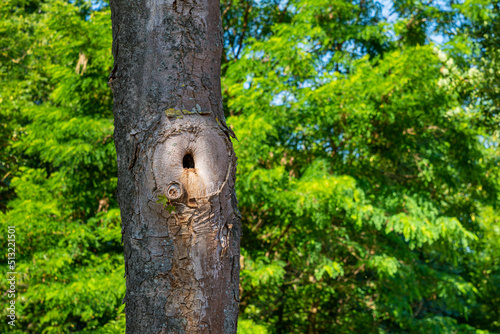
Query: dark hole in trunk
pixel 188 161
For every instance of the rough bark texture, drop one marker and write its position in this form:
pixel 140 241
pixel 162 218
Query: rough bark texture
pixel 182 268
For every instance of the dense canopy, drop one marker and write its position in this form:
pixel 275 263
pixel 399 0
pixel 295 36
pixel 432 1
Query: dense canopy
pixel 368 171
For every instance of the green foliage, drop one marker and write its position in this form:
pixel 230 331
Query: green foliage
pixel 367 175
pixel 57 108
pixel 365 161
pixel 162 199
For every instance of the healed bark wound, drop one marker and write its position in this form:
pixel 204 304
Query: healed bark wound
pixel 182 268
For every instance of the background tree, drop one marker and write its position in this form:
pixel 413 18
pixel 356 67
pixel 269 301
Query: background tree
pixel 56 105
pixel 367 172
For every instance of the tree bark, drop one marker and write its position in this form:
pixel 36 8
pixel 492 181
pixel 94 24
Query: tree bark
pixel 182 267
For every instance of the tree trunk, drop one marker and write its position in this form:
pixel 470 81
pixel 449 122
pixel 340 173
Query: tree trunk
pixel 182 267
